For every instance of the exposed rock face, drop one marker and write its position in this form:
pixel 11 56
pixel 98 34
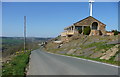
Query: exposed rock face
pixel 117 58
pixel 71 51
pixel 96 55
pixel 87 54
pixel 87 46
pixel 111 52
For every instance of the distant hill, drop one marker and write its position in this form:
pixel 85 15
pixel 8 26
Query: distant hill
pixel 16 40
pixel 10 45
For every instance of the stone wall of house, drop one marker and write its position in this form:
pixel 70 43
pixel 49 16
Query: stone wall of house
pixel 102 28
pixel 88 22
pixel 94 32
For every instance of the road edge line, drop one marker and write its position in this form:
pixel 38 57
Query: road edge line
pixel 87 60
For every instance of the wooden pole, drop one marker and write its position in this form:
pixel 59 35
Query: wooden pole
pixel 24 33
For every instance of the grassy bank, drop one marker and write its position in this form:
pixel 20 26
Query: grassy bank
pixel 97 59
pixel 16 67
pixel 88 47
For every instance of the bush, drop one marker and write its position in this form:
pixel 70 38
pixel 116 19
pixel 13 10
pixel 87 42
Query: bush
pixel 87 30
pixel 116 32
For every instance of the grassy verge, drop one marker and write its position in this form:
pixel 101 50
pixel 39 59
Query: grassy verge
pixel 16 67
pixel 97 59
pixel 98 45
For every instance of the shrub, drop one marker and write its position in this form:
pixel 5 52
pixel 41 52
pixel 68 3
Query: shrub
pixel 116 32
pixel 87 30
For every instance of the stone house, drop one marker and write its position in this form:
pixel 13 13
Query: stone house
pixel 97 27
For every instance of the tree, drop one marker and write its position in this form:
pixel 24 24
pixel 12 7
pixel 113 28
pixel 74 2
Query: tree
pixel 112 30
pixel 116 32
pixel 87 30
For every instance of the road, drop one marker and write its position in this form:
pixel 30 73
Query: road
pixel 43 63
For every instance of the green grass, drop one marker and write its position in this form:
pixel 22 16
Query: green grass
pixel 99 46
pixel 16 66
pixel 104 46
pixel 97 59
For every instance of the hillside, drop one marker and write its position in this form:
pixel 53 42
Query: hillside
pixel 11 45
pixel 92 47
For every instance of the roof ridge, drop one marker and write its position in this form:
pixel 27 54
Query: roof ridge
pixel 89 17
pixel 85 19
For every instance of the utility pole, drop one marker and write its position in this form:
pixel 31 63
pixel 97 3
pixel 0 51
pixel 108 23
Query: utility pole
pixel 24 33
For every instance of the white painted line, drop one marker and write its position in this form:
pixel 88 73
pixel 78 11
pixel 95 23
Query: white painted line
pixel 86 60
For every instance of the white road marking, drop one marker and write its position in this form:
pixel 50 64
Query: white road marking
pixel 86 60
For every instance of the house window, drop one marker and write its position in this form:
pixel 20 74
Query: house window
pixel 78 27
pixel 94 26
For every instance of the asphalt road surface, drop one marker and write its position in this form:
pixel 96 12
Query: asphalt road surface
pixel 43 63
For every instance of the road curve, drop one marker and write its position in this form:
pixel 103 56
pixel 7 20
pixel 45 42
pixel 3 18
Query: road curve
pixel 43 63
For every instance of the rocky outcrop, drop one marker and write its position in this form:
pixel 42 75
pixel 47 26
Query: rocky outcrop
pixel 109 53
pixel 87 46
pixel 117 58
pixel 71 51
